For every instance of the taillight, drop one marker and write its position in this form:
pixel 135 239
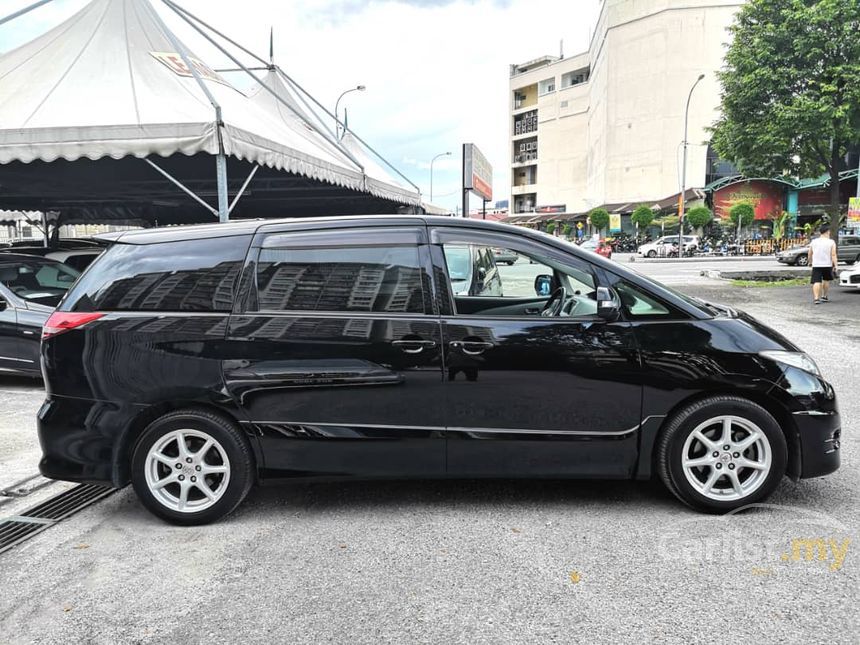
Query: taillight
pixel 61 321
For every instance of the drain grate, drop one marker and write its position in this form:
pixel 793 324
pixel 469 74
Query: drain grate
pixel 17 528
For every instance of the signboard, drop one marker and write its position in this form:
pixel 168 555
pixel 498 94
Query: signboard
pixel 477 172
pixel 765 196
pixel 854 211
pixel 614 222
pixel 554 208
pixel 175 64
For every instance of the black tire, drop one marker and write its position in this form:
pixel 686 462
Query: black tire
pixel 652 253
pixel 239 461
pixel 670 447
pixel 802 260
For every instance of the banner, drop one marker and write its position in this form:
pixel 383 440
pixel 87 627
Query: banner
pixel 477 172
pixel 854 210
pixel 614 223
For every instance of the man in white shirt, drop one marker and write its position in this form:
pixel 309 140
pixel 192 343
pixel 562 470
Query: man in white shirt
pixel 823 260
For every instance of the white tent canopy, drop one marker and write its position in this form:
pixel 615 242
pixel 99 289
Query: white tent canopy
pixel 112 81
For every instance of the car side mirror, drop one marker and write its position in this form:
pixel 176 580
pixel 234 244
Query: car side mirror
pixel 608 307
pixel 543 284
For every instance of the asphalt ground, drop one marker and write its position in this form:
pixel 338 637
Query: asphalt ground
pixel 459 561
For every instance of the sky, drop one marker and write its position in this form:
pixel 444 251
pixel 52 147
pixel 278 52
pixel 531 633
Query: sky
pixel 436 71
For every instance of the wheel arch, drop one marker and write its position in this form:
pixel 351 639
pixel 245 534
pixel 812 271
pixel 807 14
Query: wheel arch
pixel 770 401
pixel 124 447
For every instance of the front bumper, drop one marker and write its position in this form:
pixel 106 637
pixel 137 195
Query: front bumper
pixel 820 434
pixel 850 281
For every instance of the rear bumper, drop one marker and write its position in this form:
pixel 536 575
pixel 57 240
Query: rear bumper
pixel 79 439
pixel 820 434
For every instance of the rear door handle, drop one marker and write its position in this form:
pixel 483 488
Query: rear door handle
pixel 471 347
pixel 415 346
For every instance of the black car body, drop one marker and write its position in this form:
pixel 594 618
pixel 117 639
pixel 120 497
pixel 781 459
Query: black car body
pixel 338 347
pixel 30 288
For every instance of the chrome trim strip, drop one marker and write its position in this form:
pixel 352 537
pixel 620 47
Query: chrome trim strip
pixel 17 360
pixel 582 433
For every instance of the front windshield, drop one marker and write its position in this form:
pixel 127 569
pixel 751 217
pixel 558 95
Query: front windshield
pixel 459 261
pixel 37 280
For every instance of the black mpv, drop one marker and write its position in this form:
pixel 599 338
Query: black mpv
pixel 197 361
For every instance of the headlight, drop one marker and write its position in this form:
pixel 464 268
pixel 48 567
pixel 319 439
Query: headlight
pixel 799 360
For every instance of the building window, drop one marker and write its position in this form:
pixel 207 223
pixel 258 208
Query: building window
pixel 525 203
pixel 546 86
pixel 576 77
pixel 526 150
pixel 525 123
pixel 718 168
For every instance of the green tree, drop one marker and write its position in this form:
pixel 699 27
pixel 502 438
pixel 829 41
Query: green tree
pixel 599 218
pixel 791 89
pixel 743 212
pixel 642 217
pixel 550 227
pixel 565 229
pixel 779 224
pixel 699 216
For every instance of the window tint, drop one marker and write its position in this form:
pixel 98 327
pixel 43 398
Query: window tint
pixel 639 304
pixel 188 275
pixel 372 279
pixel 38 280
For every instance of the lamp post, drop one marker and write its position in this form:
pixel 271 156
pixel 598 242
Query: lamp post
pixel 684 171
pixel 441 154
pixel 357 88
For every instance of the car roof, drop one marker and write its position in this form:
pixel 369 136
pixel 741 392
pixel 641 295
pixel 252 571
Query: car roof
pixel 8 258
pixel 249 227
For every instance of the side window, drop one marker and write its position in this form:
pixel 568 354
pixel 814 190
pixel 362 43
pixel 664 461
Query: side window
pixel 341 279
pixel 638 304
pixel 520 281
pixel 187 275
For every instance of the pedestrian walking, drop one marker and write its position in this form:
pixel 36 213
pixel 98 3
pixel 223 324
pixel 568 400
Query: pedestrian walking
pixel 823 260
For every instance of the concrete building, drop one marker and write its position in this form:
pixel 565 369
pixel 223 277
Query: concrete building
pixel 606 126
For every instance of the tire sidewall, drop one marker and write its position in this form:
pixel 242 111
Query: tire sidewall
pixel 240 469
pixel 738 408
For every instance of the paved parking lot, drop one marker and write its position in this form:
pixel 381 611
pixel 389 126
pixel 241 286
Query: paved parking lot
pixel 464 562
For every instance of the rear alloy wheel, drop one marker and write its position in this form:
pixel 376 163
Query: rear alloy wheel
pixel 191 467
pixel 652 253
pixel 802 260
pixel 722 453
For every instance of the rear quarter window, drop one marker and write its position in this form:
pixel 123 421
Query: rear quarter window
pixel 187 275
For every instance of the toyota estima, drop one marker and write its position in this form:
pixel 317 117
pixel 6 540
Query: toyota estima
pixel 196 362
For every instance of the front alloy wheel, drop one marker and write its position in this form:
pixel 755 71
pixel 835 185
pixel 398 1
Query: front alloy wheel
pixel 721 453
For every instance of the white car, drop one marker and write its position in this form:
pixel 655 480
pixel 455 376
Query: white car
pixel 850 278
pixel 660 247
pixel 78 259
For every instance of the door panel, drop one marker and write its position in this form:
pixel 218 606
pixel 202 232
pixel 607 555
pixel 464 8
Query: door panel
pixel 541 397
pixel 500 306
pixel 339 366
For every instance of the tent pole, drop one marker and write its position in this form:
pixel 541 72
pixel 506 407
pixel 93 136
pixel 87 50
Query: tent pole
pixel 221 172
pixel 21 12
pixel 184 14
pixel 182 187
pixel 242 189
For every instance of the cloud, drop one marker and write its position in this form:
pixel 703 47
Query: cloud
pixel 436 71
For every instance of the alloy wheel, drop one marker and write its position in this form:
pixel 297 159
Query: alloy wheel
pixel 726 458
pixel 187 470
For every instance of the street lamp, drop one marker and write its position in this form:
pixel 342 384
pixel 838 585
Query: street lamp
pixel 684 171
pixel 441 154
pixel 357 88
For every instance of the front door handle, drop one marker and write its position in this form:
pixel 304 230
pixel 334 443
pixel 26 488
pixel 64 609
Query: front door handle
pixel 471 347
pixel 414 346
pixel 533 310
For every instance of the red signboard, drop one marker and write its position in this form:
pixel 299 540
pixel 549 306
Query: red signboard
pixel 766 197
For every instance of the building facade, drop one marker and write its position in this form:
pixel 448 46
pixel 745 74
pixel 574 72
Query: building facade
pixel 606 126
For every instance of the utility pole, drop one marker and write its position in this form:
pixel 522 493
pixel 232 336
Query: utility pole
pixel 681 199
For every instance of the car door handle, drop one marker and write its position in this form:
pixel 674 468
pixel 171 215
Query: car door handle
pixel 471 347
pixel 414 346
pixel 532 310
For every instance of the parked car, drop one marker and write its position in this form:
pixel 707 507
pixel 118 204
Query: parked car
pixel 796 255
pixel 77 258
pixel 505 256
pixel 30 288
pixel 850 278
pixel 662 245
pixel 597 246
pixel 196 361
pixel 847 250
